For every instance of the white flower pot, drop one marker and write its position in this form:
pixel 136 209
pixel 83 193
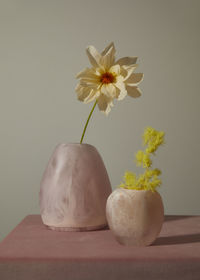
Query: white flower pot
pixel 135 216
pixel 74 189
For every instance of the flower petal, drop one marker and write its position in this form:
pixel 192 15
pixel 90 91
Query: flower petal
pixel 104 104
pixel 107 49
pixel 108 59
pixel 127 70
pixel 116 69
pixel 93 55
pixel 126 60
pixel 82 92
pixel 133 91
pixel 135 78
pixel 92 96
pixel 90 84
pixel 94 80
pixel 87 73
pixel 121 92
pixel 99 71
pixel 109 90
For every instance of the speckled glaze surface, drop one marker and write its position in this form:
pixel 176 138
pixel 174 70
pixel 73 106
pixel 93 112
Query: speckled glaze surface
pixel 135 217
pixel 74 189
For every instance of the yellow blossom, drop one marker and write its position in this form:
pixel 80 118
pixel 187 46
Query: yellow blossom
pixel 143 159
pixel 149 179
pixel 139 157
pixel 129 178
pixel 153 139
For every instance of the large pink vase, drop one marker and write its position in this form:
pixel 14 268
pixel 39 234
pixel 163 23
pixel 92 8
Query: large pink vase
pixel 74 189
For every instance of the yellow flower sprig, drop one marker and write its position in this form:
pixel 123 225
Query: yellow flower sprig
pixel 149 179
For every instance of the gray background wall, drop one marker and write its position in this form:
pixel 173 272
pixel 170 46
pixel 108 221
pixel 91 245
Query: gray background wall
pixel 42 47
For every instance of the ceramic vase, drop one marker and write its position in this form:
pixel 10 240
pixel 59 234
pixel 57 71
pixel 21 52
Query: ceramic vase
pixel 74 189
pixel 135 216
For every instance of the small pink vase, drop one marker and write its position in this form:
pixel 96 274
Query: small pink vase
pixel 135 216
pixel 74 189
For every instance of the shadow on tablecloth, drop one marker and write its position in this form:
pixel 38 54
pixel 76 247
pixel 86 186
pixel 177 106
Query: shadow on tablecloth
pixel 169 218
pixel 177 239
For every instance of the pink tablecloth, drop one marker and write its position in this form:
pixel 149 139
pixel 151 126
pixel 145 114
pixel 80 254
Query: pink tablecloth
pixel 33 252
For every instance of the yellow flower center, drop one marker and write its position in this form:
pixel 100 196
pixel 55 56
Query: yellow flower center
pixel 107 78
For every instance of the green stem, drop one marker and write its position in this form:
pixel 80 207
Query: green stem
pixel 85 127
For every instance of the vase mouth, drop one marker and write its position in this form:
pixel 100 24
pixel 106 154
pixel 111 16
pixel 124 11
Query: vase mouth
pixel 135 190
pixel 75 144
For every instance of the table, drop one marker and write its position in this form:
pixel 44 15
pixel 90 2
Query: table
pixel 33 252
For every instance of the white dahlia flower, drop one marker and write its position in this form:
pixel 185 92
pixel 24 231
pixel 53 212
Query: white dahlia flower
pixel 108 79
